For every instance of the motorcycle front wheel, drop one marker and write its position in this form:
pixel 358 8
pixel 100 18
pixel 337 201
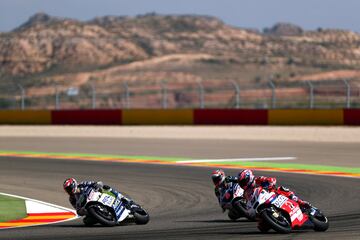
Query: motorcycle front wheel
pixel 276 220
pixel 140 215
pixel 321 223
pixel 89 221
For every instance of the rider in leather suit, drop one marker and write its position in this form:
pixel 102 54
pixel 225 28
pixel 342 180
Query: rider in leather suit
pixel 249 182
pixel 221 186
pixel 75 191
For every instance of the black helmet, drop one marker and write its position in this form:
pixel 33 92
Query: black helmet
pixel 70 185
pixel 218 177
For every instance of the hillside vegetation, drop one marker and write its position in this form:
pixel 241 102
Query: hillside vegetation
pixel 110 50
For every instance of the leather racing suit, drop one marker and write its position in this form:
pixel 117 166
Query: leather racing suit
pixel 224 195
pixel 270 184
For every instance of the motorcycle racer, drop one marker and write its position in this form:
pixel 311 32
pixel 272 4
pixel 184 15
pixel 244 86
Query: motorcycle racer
pixel 221 186
pixel 75 191
pixel 224 191
pixel 249 182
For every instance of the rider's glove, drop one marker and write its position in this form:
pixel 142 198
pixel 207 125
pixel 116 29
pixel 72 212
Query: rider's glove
pixel 98 185
pixel 268 186
pixel 231 179
pixel 285 189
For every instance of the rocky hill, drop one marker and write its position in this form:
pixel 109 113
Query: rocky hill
pixel 46 42
pixel 284 29
pixel 49 50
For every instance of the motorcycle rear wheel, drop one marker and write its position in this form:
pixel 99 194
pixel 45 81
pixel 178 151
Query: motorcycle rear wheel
pixel 240 207
pixel 96 213
pixel 280 225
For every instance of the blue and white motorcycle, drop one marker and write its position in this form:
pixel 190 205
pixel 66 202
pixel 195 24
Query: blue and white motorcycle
pixel 106 208
pixel 230 199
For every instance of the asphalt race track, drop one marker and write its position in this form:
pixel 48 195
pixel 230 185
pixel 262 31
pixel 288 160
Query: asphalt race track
pixel 180 200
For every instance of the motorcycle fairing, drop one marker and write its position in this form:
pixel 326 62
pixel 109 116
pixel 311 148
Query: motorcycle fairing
pixel 292 208
pixel 120 209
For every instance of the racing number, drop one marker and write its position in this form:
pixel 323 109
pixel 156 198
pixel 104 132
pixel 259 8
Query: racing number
pixel 279 201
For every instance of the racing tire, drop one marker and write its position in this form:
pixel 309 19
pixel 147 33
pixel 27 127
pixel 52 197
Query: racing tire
pixel 285 227
pixel 233 215
pixel 103 220
pixel 141 216
pixel 240 207
pixel 89 221
pixel 321 223
pixel 263 227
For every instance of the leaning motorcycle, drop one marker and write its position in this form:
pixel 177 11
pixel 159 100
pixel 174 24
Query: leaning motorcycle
pixel 231 199
pixel 106 208
pixel 278 212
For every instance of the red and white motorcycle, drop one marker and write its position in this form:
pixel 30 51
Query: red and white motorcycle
pixel 276 211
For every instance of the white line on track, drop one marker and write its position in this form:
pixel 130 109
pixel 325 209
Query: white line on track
pixel 238 160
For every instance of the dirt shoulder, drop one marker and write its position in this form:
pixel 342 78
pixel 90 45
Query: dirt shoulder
pixel 310 134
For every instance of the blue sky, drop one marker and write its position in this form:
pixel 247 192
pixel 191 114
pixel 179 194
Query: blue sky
pixel 309 14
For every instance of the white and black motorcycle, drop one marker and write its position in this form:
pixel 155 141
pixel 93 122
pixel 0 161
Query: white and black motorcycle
pixel 106 208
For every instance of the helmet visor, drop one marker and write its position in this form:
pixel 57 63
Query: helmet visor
pixel 216 179
pixel 243 182
pixel 69 189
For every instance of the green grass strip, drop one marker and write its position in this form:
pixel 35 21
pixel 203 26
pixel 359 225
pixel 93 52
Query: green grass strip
pixel 57 154
pixel 282 165
pixel 11 208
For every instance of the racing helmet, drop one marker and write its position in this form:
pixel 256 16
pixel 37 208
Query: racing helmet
pixel 70 185
pixel 218 177
pixel 246 179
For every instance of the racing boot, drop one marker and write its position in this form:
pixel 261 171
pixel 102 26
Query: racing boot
pixel 304 205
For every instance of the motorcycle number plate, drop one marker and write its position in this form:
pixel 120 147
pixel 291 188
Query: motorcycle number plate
pixel 107 200
pixel 279 201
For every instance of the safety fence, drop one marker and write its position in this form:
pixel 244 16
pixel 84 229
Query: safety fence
pixel 183 117
pixel 185 94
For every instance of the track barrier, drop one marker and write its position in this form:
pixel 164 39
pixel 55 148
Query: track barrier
pixel 183 117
